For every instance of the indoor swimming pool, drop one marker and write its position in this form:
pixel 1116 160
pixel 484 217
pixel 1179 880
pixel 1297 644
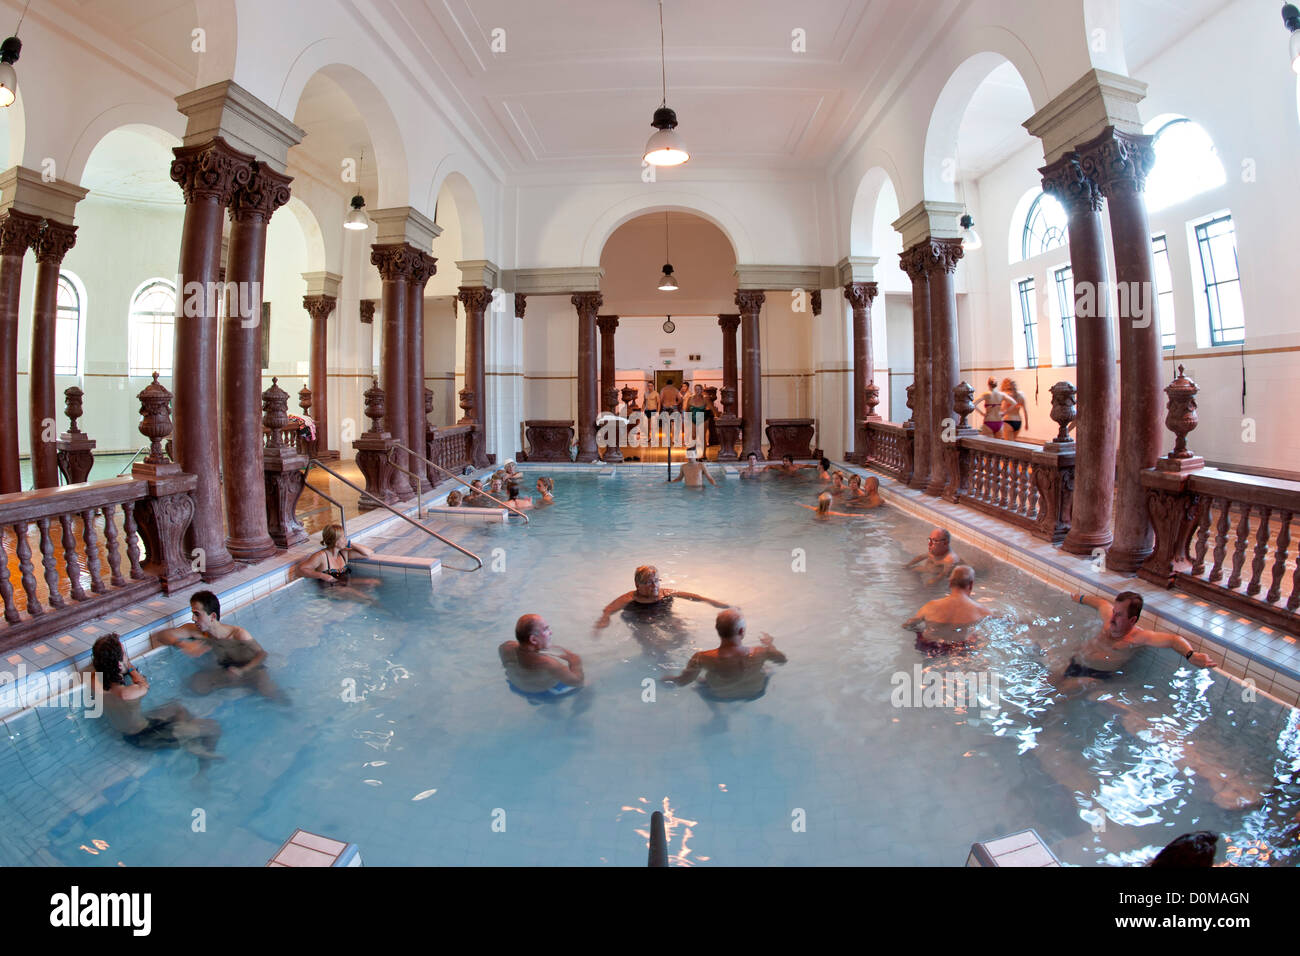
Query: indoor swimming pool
pixel 402 736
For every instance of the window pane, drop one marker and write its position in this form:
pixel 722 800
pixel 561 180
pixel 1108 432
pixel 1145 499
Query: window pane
pixel 1029 319
pixel 1216 242
pixel 1065 298
pixel 1164 291
pixel 152 324
pixel 1186 164
pixel 66 345
pixel 1045 227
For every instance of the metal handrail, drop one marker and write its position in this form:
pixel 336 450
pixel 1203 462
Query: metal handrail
pixel 386 506
pixel 132 461
pixel 477 491
pixel 343 515
pixel 415 482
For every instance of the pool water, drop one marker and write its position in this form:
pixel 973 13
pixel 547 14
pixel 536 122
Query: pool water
pixel 403 737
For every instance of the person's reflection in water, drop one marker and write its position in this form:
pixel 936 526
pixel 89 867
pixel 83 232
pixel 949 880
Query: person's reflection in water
pixel 649 614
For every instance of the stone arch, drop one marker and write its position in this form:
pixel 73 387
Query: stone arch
pixel 695 205
pixel 312 234
pixel 126 114
pixel 863 238
pixel 330 57
pixel 468 209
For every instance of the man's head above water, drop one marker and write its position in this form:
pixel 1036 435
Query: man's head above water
pixel 731 625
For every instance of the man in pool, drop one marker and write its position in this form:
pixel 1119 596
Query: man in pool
pixel 530 671
pixel 649 596
pixel 732 671
pixel 789 468
pixel 938 561
pixel 1105 653
pixel 694 473
pixel 752 470
pixel 942 624
pixel 240 659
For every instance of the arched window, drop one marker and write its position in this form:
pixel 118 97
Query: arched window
pixel 71 304
pixel 1045 227
pixel 153 321
pixel 1186 163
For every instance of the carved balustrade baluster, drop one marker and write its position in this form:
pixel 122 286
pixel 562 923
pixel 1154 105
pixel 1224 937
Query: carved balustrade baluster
pixel 70 559
pixel 132 540
pixel 1279 557
pixel 111 546
pixel 1220 541
pixel 1239 551
pixel 34 607
pixel 1261 550
pixel 50 564
pixel 91 541
pixel 1202 538
pixel 6 588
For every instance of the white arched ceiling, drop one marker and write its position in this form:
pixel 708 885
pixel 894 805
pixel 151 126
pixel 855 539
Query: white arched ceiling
pixel 313 237
pixel 681 201
pixel 151 121
pixel 132 163
pixel 456 189
pixel 863 239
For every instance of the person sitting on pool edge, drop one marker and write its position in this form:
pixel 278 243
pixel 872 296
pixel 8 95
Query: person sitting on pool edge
pixel 530 671
pixel 649 594
pixel 168 726
pixel 240 659
pixel 694 472
pixel 938 561
pixel 940 624
pixel 732 671
pixel 1105 653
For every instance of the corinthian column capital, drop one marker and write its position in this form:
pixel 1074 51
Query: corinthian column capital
pixel 587 303
pixel 750 301
pixel 1065 181
pixel 18 231
pixel 474 298
pixel 396 261
pixel 260 196
pixel 211 170
pixel 53 242
pixel 1117 161
pixel 861 294
pixel 941 255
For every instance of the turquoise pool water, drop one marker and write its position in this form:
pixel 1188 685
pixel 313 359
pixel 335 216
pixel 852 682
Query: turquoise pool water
pixel 403 737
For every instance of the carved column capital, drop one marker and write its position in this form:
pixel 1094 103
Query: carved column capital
pixel 913 261
pixel 259 197
pixel 397 262
pixel 367 311
pixel 1065 181
pixel 941 255
pixel 53 242
pixel 1117 161
pixel 587 303
pixel 18 231
pixel 861 294
pixel 475 299
pixel 521 304
pixel 319 306
pixel 428 269
pixel 607 323
pixel 729 322
pixel 750 301
pixel 212 170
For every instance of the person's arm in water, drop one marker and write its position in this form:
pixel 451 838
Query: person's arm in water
pixel 691 672
pixel 705 472
pixel 183 637
pixel 1180 644
pixel 680 475
pixel 310 567
pixel 571 671
pixel 769 650
pixel 692 596
pixel 915 561
pixel 617 604
pixel 241 670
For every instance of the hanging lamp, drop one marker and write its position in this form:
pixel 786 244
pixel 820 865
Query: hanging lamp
pixel 1290 17
pixel 9 51
pixel 357 218
pixel 665 147
pixel 667 282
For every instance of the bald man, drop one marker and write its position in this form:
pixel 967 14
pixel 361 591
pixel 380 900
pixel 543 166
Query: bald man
pixel 733 671
pixel 944 624
pixel 531 671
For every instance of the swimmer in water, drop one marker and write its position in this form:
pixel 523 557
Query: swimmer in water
pixel 240 659
pixel 837 482
pixel 823 508
pixel 533 667
pixel 513 501
pixel 867 494
pixel 694 472
pixel 752 470
pixel 731 671
pixel 545 487
pixel 824 469
pixel 938 561
pixel 941 625
pixel 649 594
pixel 788 468
pixel 1105 653
pixel 453 499
pixel 330 564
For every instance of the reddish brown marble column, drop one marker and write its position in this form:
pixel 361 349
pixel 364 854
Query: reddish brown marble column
pixel 419 424
pixel 397 263
pixel 251 208
pixel 945 370
pixel 1119 163
pixel 18 231
pixel 860 296
pixel 608 387
pixel 320 307
pixel 51 246
pixel 730 322
pixel 914 264
pixel 750 303
pixel 476 300
pixel 208 174
pixel 1098 387
pixel 587 304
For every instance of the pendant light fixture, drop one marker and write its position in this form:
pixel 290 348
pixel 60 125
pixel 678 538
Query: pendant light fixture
pixel 1291 17
pixel 667 283
pixel 9 51
pixel 357 218
pixel 664 148
pixel 970 239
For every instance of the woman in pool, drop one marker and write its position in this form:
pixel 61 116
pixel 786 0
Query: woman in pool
pixel 169 726
pixel 513 501
pixel 837 482
pixel 864 492
pixel 454 499
pixel 330 563
pixel 544 488
pixel 822 511
pixel 1015 415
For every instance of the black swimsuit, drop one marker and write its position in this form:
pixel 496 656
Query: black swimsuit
pixel 1078 670
pixel 338 574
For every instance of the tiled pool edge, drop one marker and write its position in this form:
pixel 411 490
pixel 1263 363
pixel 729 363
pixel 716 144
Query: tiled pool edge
pixel 1269 659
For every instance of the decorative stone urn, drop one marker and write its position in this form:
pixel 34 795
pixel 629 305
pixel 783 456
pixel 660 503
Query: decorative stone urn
pixel 911 412
pixel 155 425
pixel 873 399
pixel 283 468
pixel 373 448
pixel 1063 413
pixel 1181 420
pixel 74 450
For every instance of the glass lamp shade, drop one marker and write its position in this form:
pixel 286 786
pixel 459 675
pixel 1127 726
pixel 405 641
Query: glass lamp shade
pixel 1295 51
pixel 667 283
pixel 970 239
pixel 665 148
pixel 357 218
pixel 8 84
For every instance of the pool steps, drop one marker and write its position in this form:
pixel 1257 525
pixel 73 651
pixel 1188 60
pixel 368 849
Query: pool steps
pixel 1025 848
pixel 312 849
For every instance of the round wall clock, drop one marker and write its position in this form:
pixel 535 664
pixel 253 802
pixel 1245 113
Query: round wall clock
pixel 668 326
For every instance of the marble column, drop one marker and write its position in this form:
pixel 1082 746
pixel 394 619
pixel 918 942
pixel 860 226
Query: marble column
pixel 18 230
pixel 51 245
pixel 914 264
pixel 1097 424
pixel 251 208
pixel 608 387
pixel 397 263
pixel 1119 163
pixel 208 174
pixel 417 435
pixel 476 300
pixel 587 304
pixel 320 308
pixel 750 302
pixel 945 369
pixel 729 322
pixel 860 296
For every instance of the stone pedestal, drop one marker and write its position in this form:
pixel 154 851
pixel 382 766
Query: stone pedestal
pixel 163 519
pixel 76 449
pixel 548 440
pixel 789 436
pixel 373 449
pixel 727 429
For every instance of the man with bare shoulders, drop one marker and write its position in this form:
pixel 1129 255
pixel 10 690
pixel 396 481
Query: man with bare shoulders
pixel 943 624
pixel 788 468
pixel 731 671
pixel 240 659
pixel 1105 653
pixel 752 470
pixel 694 472
pixel 939 559
pixel 533 672
pixel 649 596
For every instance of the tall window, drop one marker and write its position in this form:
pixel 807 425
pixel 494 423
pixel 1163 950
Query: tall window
pixel 67 326
pixel 1065 297
pixel 153 321
pixel 1045 227
pixel 1186 162
pixel 1029 320
pixel 1164 290
pixel 1216 241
